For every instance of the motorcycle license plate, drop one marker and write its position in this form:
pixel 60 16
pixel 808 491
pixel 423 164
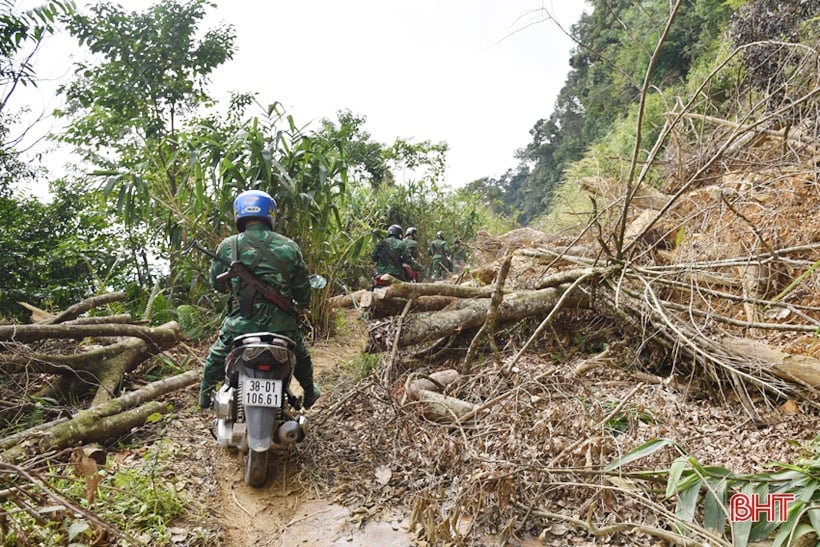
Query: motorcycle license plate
pixel 262 392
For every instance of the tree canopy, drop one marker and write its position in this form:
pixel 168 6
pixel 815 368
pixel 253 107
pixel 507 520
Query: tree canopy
pixel 21 35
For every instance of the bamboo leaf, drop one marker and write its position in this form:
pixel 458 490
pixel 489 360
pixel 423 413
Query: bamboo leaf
pixel 741 531
pixel 690 478
pixel 788 529
pixel 688 502
pixel 646 449
pixel 714 505
pixel 761 528
pixel 814 519
pixel 675 471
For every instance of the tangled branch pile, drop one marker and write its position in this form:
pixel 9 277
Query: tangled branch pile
pixel 39 366
pixel 701 300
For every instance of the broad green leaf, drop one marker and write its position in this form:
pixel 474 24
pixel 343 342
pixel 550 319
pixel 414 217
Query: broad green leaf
pixel 688 502
pixel 761 528
pixel 741 531
pixel 807 493
pixel 675 471
pixel 649 447
pixel 714 471
pixel 814 518
pixel 714 505
pixel 802 530
pixel 788 529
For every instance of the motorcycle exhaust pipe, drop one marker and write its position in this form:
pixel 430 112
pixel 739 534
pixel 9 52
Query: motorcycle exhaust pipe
pixel 292 431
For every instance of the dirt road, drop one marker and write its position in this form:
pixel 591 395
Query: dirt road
pixel 289 510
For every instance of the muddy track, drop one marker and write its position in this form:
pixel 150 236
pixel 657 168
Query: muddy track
pixel 290 509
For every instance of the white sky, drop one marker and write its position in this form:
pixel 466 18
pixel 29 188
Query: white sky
pixel 477 74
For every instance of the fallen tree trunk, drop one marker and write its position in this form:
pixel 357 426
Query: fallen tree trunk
pixel 378 306
pixel 471 314
pixel 800 369
pixel 28 333
pixel 104 428
pixel 398 289
pixel 133 351
pixel 91 425
pixel 20 436
pixel 91 361
pixel 72 312
pixel 351 300
pixel 124 318
pixel 442 408
pixel 436 381
pixel 433 404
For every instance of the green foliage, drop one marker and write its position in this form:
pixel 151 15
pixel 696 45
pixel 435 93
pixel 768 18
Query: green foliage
pixel 704 492
pixel 610 158
pixel 364 157
pixel 137 497
pixel 141 499
pixel 363 365
pixel 430 158
pixel 335 220
pixel 597 101
pixel 376 163
pixel 124 111
pixel 334 186
pixel 55 254
pixel 570 211
pixel 21 34
pixel 305 172
pixel 765 25
pixel 193 322
pixel 154 68
pixel 418 203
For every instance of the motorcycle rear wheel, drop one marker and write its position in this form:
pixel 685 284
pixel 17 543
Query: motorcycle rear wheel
pixel 256 468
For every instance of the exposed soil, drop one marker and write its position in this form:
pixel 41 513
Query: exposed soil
pixel 293 508
pixel 375 470
pixel 357 491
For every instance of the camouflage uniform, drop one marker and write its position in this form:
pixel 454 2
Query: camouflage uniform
pixel 413 250
pixel 278 261
pixel 412 247
pixel 459 256
pixel 389 255
pixel 440 263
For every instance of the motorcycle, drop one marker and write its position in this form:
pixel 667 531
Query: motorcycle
pixel 411 275
pixel 255 409
pixel 256 412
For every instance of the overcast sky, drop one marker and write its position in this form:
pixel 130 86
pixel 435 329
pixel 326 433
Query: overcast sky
pixel 476 74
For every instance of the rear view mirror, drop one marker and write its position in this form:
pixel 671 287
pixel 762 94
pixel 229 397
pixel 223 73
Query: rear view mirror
pixel 317 281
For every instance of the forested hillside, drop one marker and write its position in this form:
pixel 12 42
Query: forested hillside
pixel 590 129
pixel 161 165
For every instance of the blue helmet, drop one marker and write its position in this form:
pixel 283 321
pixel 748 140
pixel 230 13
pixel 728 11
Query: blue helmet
pixel 253 205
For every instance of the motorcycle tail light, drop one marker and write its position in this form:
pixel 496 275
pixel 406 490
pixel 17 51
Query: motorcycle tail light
pixel 263 366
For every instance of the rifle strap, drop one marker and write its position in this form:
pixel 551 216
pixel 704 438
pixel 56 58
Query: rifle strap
pixel 247 293
pixel 263 246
